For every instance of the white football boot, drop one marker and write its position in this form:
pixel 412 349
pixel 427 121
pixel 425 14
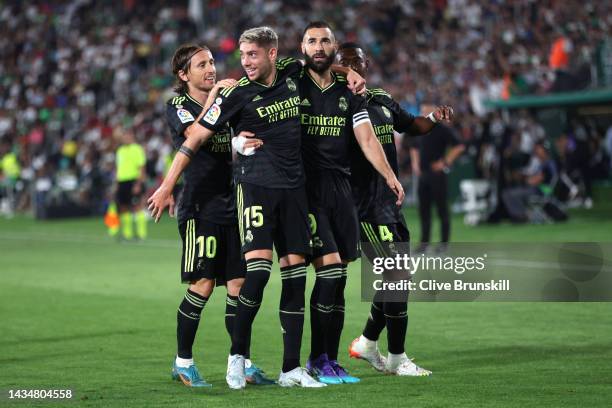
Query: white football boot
pixel 367 350
pixel 298 377
pixel 400 364
pixel 236 378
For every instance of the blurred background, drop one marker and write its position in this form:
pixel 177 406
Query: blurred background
pixel 77 74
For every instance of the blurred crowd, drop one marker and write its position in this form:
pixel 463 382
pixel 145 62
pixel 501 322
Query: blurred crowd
pixel 75 74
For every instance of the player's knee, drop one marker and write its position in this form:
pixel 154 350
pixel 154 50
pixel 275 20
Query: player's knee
pixel 328 259
pixel 292 294
pixel 290 260
pixel 203 287
pixel 234 285
pixel 251 293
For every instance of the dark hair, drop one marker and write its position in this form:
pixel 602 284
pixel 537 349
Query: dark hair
pixel 346 45
pixel 316 24
pixel 181 62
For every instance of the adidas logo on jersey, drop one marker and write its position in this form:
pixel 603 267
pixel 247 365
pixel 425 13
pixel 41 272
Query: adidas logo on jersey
pixel 305 102
pixel 256 98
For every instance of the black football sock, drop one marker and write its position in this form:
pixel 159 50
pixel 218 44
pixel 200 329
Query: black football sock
pixel 321 306
pixel 187 320
pixel 249 300
pixel 396 316
pixel 376 321
pixel 291 313
pixel 230 313
pixel 336 321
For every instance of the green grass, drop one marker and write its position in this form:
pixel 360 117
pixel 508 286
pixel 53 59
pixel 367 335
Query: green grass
pixel 80 311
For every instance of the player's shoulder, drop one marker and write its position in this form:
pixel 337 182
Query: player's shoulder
pixel 242 85
pixel 285 62
pixel 378 93
pixel 177 101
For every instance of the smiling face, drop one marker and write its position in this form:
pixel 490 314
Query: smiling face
pixel 201 73
pixel 355 59
pixel 319 49
pixel 257 61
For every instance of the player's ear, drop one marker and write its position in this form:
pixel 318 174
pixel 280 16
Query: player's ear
pixel 367 64
pixel 183 75
pixel 272 53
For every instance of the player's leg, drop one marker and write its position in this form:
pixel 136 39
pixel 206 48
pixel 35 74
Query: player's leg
pixel 345 228
pixel 328 270
pixel 124 204
pixel 424 193
pixel 440 193
pixel 190 309
pixel 292 242
pixel 235 270
pixel 365 346
pixel 256 206
pixel 140 215
pixel 395 306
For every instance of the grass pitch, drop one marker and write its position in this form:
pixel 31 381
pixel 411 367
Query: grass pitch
pixel 79 311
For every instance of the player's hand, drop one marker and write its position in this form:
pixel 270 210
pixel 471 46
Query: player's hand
pixel 444 113
pixel 397 188
pixel 225 83
pixel 161 198
pixel 246 143
pixel 252 141
pixel 356 83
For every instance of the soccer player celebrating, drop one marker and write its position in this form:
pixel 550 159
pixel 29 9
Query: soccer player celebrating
pixel 271 198
pixel 206 214
pixel 332 117
pixel 381 220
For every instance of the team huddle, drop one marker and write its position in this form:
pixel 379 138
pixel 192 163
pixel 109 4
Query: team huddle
pixel 315 173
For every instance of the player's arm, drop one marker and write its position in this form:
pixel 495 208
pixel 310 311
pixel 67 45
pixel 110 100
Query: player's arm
pixel 373 151
pixel 424 124
pixel 214 93
pixel 162 197
pixel 415 161
pixel 356 83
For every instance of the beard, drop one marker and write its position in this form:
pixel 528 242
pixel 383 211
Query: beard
pixel 320 66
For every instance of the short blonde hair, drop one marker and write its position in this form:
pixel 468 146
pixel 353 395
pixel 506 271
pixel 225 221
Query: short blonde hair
pixel 264 37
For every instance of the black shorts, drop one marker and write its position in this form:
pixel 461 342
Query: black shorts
pixel 125 197
pixel 333 219
pixel 210 251
pixel 271 216
pixel 381 238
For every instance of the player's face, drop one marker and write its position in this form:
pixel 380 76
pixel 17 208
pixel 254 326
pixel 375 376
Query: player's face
pixel 355 59
pixel 319 49
pixel 258 62
pixel 202 72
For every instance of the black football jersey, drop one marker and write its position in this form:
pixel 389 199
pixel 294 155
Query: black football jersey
pixel 207 180
pixel 374 199
pixel 327 117
pixel 272 114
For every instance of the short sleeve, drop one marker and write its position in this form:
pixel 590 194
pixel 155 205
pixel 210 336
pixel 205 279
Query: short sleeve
pixel 229 102
pixel 358 110
pixel 178 118
pixel 402 120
